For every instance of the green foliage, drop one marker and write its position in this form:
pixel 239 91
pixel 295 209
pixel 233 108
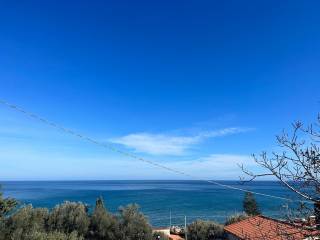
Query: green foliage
pixel 159 236
pixel 25 222
pixel 71 221
pixel 6 205
pixel 204 230
pixel 133 224
pixel 69 217
pixel 55 236
pixel 236 218
pixel 250 205
pixel 30 223
pixel 104 226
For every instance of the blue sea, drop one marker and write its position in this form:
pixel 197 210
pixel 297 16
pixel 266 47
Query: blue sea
pixel 194 199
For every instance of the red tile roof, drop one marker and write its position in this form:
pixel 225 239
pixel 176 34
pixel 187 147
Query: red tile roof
pixel 260 227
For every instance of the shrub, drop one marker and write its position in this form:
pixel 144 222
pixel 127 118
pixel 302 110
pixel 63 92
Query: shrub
pixel 69 217
pixel 104 226
pixel 55 236
pixel 6 205
pixel 204 230
pixel 133 224
pixel 26 221
pixel 236 218
pixel 71 221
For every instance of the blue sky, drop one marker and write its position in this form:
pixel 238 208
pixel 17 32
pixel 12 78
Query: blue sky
pixel 194 85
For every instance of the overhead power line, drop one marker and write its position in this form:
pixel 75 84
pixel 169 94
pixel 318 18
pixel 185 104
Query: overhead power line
pixel 128 154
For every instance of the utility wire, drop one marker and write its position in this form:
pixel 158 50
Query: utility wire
pixel 128 154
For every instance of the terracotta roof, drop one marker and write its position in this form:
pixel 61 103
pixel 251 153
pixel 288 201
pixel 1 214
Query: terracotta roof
pixel 261 227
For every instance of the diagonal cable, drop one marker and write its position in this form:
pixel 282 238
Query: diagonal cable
pixel 128 154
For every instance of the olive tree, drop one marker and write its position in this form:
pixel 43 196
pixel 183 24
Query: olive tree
pixel 103 226
pixel 25 222
pixel 55 236
pixel 6 205
pixel 69 217
pixel 133 224
pixel 204 230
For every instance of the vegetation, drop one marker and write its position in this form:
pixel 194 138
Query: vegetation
pixel 25 223
pixel 71 221
pixel 6 205
pixel 296 166
pixel 250 205
pixel 133 224
pixel 236 218
pixel 205 230
pixel 103 224
pixel 69 217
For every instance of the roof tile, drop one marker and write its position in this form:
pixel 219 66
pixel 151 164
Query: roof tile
pixel 261 227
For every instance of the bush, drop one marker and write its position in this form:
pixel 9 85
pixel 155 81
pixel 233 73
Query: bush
pixel 103 225
pixel 236 218
pixel 204 230
pixel 71 221
pixel 25 222
pixel 6 205
pixel 69 217
pixel 55 236
pixel 133 224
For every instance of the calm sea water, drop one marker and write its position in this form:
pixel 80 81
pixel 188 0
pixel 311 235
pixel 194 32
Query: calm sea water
pixel 194 199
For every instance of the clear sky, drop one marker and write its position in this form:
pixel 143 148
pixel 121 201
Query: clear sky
pixel 195 85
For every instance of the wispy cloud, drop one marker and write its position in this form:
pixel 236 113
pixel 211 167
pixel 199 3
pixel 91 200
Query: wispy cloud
pixel 164 144
pixel 157 143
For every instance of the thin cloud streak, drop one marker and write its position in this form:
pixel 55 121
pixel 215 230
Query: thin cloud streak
pixel 162 144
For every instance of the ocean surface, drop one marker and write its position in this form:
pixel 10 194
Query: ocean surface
pixel 194 199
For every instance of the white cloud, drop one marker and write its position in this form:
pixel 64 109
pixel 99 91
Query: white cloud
pixel 162 144
pixel 157 143
pixel 224 132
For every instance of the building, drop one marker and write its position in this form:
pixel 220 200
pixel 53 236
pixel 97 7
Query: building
pixel 264 228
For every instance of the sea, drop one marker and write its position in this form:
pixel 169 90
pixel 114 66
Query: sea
pixel 163 202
